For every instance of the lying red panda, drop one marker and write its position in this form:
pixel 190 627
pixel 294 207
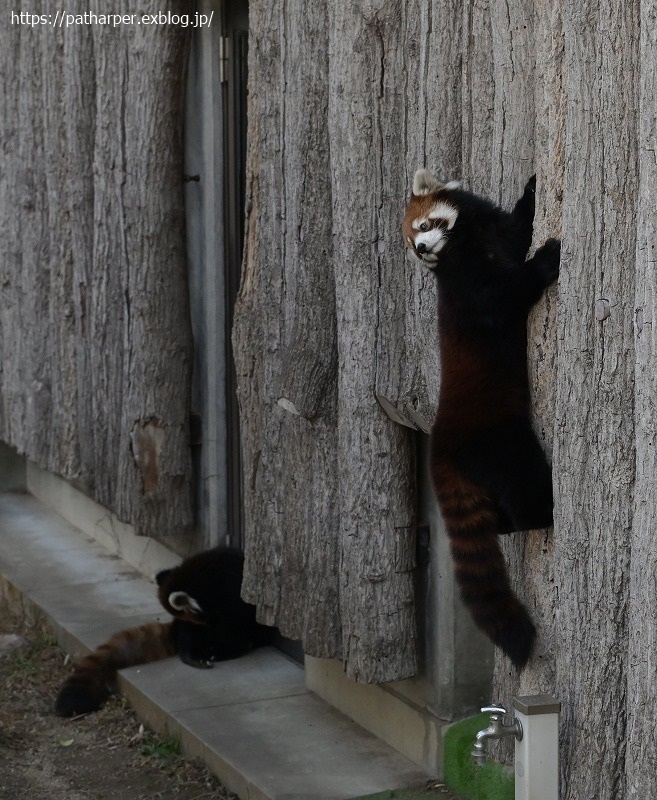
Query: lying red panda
pixel 211 623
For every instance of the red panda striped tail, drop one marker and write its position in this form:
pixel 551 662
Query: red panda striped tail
pixel 481 574
pixel 87 688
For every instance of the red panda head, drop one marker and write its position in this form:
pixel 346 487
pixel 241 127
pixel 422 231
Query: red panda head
pixel 429 216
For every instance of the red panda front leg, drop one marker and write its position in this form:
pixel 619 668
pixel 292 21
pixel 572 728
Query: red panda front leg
pixel 539 272
pixel 523 216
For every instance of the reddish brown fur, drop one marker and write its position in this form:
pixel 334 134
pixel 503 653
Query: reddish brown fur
pixel 418 206
pixel 87 688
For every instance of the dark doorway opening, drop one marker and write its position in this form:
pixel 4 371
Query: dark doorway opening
pixel 235 26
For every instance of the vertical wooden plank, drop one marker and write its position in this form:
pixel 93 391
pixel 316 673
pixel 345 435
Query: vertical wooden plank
pixel 423 110
pixel 58 433
pixel 532 565
pixel 107 299
pixel 399 335
pixel 284 334
pixel 594 428
pixel 642 650
pixel 478 99
pixel 306 397
pixel 156 325
pixel 80 122
pixel 310 359
pixel 440 101
pixel 15 48
pixel 498 96
pixel 257 328
pixel 514 57
pixel 31 373
pixel 136 300
pixel 377 514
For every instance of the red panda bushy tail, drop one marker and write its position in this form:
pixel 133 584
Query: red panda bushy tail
pixel 87 688
pixel 472 526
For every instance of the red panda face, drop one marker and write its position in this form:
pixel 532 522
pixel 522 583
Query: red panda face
pixel 429 217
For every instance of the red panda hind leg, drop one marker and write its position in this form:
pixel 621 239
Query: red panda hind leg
pixel 509 464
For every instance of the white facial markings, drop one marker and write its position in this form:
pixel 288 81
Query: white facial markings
pixel 432 240
pixel 444 211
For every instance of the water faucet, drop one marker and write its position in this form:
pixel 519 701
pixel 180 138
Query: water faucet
pixel 495 730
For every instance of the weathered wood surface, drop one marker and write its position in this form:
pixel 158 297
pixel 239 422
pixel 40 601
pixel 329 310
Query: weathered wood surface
pixel 403 88
pixel 531 558
pixel 586 580
pixel 491 92
pixel 642 632
pixel 329 515
pixel 96 343
pixel 594 445
pixel 374 454
pixel 284 335
pixel 345 104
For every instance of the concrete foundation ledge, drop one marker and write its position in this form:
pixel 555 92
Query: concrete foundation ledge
pixel 251 720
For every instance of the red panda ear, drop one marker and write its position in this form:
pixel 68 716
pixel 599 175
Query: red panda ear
pixel 424 183
pixel 162 576
pixel 181 601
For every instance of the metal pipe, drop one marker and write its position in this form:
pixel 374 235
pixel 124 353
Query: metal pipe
pixel 537 755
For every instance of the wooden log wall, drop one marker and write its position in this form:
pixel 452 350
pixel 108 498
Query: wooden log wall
pixel 334 324
pixel 489 92
pixel 95 341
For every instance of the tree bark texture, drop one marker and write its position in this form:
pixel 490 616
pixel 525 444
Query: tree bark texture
pixel 641 737
pixel 285 331
pixel 95 338
pixel 489 92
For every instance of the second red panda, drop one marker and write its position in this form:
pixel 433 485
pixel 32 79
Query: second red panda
pixel 211 623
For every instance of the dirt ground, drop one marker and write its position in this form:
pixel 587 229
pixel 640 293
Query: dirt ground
pixel 102 756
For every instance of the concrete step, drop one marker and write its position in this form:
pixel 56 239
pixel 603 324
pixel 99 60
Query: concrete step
pixel 251 720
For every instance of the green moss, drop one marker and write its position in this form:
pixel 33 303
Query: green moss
pixel 419 793
pixel 489 782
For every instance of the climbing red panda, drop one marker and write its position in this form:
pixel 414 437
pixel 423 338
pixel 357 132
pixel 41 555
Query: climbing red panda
pixel 489 471
pixel 211 623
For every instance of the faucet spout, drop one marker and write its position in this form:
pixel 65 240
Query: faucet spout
pixel 495 730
